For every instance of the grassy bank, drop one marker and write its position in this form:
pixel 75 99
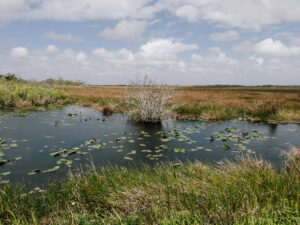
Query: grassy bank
pixel 15 94
pixel 246 192
pixel 280 104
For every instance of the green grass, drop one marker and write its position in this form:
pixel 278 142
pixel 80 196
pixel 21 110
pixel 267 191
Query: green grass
pixel 15 94
pixel 211 112
pixel 249 191
pixel 263 112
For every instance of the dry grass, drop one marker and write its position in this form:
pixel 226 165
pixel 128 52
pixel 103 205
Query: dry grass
pixel 218 102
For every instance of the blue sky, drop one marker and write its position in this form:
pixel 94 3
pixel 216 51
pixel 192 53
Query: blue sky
pixel 184 42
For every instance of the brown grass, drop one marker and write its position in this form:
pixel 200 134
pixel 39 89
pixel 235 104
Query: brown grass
pixel 285 100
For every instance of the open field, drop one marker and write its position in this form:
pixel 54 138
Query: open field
pixel 212 103
pixel 247 192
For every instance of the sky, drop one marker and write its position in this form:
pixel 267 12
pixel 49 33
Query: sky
pixel 182 42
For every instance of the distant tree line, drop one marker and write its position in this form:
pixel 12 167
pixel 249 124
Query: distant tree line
pixel 48 82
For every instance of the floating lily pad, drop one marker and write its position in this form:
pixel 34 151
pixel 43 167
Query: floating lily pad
pixel 226 147
pixel 128 158
pixel 56 168
pixel 3 162
pixel 18 158
pixel 14 145
pixel 146 150
pixel 5 173
pixel 132 152
pixel 33 172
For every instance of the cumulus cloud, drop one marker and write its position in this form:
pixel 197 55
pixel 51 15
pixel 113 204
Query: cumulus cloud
pixel 78 10
pixel 275 48
pixel 188 12
pixel 63 37
pixel 19 52
pixel 125 30
pixel 159 58
pixel 51 48
pixel 250 14
pixel 230 35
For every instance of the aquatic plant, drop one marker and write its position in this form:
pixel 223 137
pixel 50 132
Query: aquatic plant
pixel 148 101
pixel 19 95
pixel 249 191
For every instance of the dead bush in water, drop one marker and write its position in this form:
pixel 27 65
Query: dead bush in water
pixel 148 101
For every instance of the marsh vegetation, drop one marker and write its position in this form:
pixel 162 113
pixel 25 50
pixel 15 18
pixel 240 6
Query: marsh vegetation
pixel 156 172
pixel 16 94
pixel 249 191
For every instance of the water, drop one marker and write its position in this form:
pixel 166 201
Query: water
pixel 113 140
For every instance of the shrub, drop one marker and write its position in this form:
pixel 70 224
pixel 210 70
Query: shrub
pixel 148 101
pixel 16 94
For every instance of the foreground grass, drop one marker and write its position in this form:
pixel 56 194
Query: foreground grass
pixel 246 192
pixel 279 104
pixel 14 94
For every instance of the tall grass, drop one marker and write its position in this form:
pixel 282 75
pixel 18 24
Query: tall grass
pixel 15 94
pixel 248 191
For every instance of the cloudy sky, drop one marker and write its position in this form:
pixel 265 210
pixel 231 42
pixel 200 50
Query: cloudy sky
pixel 184 42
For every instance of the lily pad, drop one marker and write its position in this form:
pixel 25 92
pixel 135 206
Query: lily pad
pixel 226 147
pixel 128 158
pixel 56 168
pixel 5 173
pixel 33 172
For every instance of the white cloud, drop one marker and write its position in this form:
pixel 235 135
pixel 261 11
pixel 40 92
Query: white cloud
pixel 251 14
pixel 164 49
pixel 51 48
pixel 225 36
pixel 259 60
pixel 62 37
pixel 19 52
pixel 244 47
pixel 275 48
pixel 81 56
pixel 78 10
pixel 159 58
pixel 188 12
pixel 125 30
pixel 13 9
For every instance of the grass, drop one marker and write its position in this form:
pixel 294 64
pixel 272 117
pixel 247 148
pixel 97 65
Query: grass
pixel 14 94
pixel 280 104
pixel 248 191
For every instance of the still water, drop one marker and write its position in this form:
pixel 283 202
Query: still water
pixel 46 145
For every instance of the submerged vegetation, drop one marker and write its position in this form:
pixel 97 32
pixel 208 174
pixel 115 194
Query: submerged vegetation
pixel 16 94
pixel 249 191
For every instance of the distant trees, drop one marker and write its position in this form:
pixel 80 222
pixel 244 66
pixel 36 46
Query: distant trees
pixel 10 77
pixel 48 82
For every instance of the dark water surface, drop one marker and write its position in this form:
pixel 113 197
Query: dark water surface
pixel 69 138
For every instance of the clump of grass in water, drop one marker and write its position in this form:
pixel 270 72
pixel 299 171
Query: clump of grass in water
pixel 248 191
pixel 15 94
pixel 148 101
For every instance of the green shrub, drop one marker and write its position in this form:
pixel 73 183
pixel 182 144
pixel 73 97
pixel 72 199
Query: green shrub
pixel 18 95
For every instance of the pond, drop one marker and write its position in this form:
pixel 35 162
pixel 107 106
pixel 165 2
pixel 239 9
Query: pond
pixel 40 146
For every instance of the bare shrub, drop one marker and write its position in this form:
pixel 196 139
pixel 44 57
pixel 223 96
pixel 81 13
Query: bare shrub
pixel 148 101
